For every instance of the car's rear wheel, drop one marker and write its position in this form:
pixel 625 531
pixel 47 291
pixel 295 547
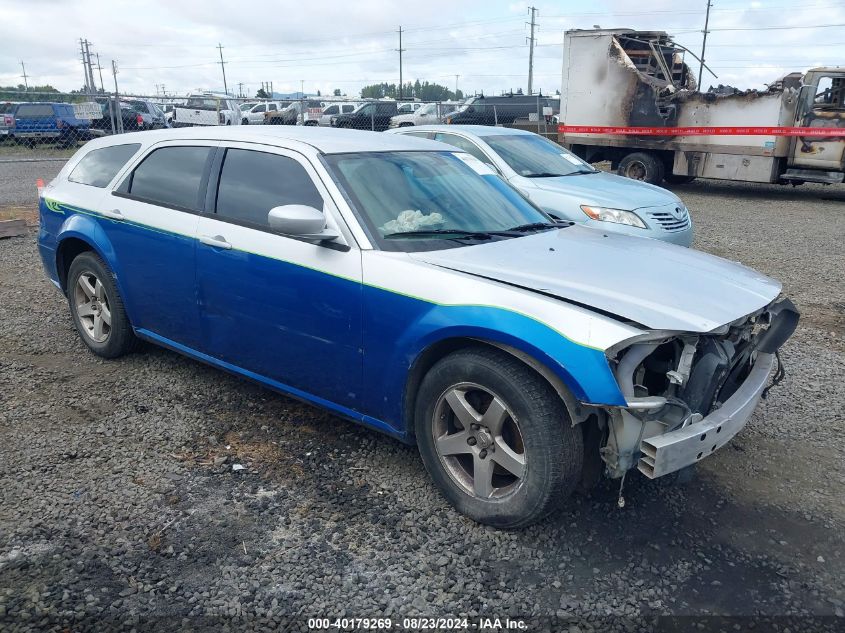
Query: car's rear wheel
pixel 642 166
pixel 97 308
pixel 496 438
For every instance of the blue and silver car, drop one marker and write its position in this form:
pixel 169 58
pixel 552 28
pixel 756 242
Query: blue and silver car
pixel 401 284
pixel 565 186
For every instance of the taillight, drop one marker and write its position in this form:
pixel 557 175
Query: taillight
pixel 8 121
pixel 139 119
pixel 59 123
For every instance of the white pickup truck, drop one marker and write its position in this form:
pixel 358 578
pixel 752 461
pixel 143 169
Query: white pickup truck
pixel 207 108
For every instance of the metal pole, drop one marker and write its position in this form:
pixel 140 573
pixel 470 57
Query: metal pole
pixel 401 50
pixel 223 68
pixel 704 42
pixel 90 69
pixel 373 116
pixel 456 87
pixel 531 51
pixel 100 69
pixel 84 69
pixel 117 116
pixel 25 82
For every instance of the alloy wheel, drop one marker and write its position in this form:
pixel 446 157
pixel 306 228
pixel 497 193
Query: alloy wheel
pixel 478 440
pixel 92 307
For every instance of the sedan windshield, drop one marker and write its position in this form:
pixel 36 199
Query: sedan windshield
pixel 414 201
pixel 534 156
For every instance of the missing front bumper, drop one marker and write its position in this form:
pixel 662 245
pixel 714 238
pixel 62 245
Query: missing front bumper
pixel 664 454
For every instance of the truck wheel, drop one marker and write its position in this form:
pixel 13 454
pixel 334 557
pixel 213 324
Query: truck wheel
pixel 676 179
pixel 496 438
pixel 97 308
pixel 642 166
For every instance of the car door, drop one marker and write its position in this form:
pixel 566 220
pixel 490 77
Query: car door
pixel 155 209
pixel 280 307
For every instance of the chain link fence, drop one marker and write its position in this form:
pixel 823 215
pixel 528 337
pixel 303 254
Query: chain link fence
pixel 64 120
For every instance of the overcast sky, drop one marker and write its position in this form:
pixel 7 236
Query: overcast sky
pixel 347 44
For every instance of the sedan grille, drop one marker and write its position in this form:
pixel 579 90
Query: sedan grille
pixel 676 219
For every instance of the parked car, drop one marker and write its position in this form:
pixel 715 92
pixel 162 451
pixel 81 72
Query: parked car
pixel 152 117
pixel 56 122
pixel 7 118
pixel 401 284
pixel 565 186
pixel 375 116
pixel 502 110
pixel 429 113
pixel 334 109
pixel 207 108
pixel 255 115
pixel 408 107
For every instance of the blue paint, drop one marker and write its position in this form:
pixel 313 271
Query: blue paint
pixel 286 322
pixel 334 342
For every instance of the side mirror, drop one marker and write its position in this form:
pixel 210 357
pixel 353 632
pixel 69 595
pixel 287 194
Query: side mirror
pixel 299 220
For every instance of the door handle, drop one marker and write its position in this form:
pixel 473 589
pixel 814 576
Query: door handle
pixel 114 214
pixel 217 241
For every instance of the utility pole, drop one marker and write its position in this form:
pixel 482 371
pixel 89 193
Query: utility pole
pixel 704 42
pixel 401 50
pixel 302 88
pixel 117 117
pixel 89 67
pixel 84 68
pixel 240 89
pixel 271 89
pixel 223 68
pixel 25 82
pixel 100 70
pixel 533 11
pixel 456 87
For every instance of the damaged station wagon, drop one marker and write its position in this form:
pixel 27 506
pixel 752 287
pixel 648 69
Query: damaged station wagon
pixel 401 284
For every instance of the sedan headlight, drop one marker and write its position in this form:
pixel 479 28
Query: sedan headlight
pixel 617 216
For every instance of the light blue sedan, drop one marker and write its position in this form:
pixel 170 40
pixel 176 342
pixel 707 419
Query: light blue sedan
pixel 565 186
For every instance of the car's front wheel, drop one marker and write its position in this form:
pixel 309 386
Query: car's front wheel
pixel 97 308
pixel 496 438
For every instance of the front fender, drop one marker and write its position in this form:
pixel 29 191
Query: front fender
pixel 405 327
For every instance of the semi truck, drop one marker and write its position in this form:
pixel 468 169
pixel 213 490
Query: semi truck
pixel 629 97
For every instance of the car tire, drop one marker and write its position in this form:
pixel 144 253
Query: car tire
pixel 642 166
pixel 481 471
pixel 97 308
pixel 244 121
pixel 676 179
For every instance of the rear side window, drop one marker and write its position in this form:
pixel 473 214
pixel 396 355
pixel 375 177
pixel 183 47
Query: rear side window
pixel 36 111
pixel 330 110
pixel 99 166
pixel 347 108
pixel 252 183
pixel 462 143
pixel 171 177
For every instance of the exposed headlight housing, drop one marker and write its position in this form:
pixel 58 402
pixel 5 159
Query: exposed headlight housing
pixel 617 216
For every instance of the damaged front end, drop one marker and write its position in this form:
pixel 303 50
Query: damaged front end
pixel 689 394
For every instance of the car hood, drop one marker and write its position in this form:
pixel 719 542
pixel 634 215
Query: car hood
pixel 657 285
pixel 607 190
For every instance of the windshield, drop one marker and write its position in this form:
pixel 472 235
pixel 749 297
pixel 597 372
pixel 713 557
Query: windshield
pixel 433 197
pixel 534 156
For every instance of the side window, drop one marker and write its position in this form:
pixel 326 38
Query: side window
pixel 272 107
pixel 462 143
pixel 258 108
pixel 252 183
pixel 330 110
pixel 99 166
pixel 170 176
pixel 830 94
pixel 417 134
pixel 347 108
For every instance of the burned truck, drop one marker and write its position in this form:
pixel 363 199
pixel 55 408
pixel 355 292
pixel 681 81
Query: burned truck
pixel 630 98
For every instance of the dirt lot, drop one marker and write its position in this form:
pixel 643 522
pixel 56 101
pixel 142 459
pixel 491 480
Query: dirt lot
pixel 120 506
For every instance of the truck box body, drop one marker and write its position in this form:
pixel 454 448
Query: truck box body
pixel 616 80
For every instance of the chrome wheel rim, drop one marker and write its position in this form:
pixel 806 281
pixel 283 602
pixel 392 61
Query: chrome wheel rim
pixel 92 307
pixel 478 440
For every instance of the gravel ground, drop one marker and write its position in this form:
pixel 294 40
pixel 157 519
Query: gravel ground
pixel 122 507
